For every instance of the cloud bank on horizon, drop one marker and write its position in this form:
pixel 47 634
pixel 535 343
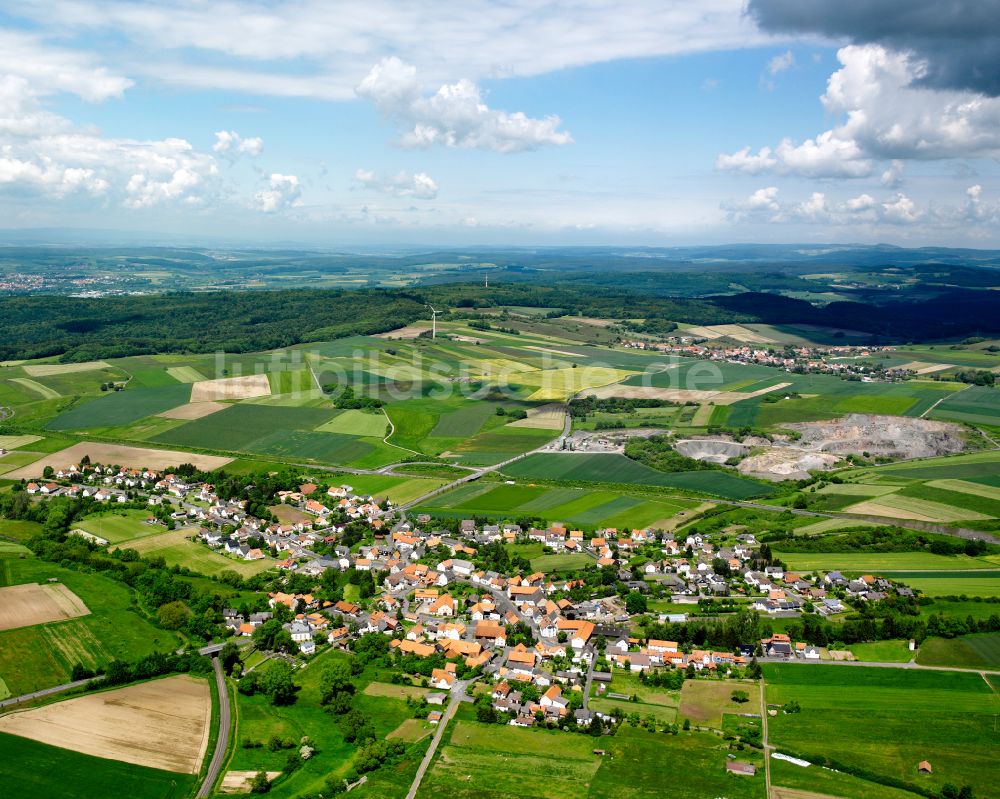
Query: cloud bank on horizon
pixel 572 121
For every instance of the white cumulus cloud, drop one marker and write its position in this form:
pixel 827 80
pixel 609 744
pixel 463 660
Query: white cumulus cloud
pixel 231 144
pixel 283 192
pixel 44 155
pixel 454 116
pixel 418 185
pixel 886 115
pixel 781 62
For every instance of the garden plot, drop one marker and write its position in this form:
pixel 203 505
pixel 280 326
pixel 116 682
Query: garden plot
pixel 161 724
pixel 231 388
pixel 30 604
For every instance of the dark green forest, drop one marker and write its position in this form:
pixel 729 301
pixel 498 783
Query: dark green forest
pixel 78 329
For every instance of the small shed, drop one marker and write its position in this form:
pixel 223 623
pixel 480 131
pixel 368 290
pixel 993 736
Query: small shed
pixel 924 767
pixel 739 767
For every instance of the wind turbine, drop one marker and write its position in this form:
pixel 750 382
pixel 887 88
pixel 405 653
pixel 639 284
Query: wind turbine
pixel 487 279
pixel 434 321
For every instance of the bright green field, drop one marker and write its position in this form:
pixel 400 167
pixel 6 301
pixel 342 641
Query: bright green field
pixel 819 780
pixel 121 526
pixel 598 468
pixel 883 561
pixel 956 583
pixel 883 652
pixel 557 563
pixel 575 506
pixel 174 547
pixel 185 374
pixel 19 530
pixel 888 720
pixel 977 404
pixel 960 467
pixel 259 720
pixel 978 651
pixel 357 423
pixel 29 769
pixel 122 407
pixel 397 489
pixel 286 432
pixel 43 655
pixel 477 760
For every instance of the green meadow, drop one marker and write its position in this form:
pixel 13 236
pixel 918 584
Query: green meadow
pixel 176 549
pixel 578 507
pixel 44 655
pixel 885 721
pixel 33 770
pixel 976 651
pixel 258 720
pixel 603 468
pixel 511 763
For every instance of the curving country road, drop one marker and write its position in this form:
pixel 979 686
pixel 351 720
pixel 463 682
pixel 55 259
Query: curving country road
pixel 222 741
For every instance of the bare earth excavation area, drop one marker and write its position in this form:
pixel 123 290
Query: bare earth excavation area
pixel 823 443
pixel 162 724
pixel 26 605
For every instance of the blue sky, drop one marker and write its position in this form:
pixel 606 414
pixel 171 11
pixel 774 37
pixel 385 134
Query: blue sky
pixel 576 122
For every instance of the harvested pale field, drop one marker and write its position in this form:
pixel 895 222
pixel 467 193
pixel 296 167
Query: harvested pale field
pixel 681 517
pixel 410 331
pixel 739 333
pixel 30 604
pixel 161 724
pixel 554 352
pixel 924 368
pixel 134 457
pixel 13 442
pixel 193 410
pixel 46 369
pixel 545 417
pixel 652 392
pixel 231 388
pixel 841 654
pixel 703 415
pixel 791 793
pixel 394 691
pixel 700 332
pixel 186 374
pixel 239 781
pixel 965 487
pixel 593 321
pixel 921 510
pixel 33 385
pixel 286 514
pixel 729 397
